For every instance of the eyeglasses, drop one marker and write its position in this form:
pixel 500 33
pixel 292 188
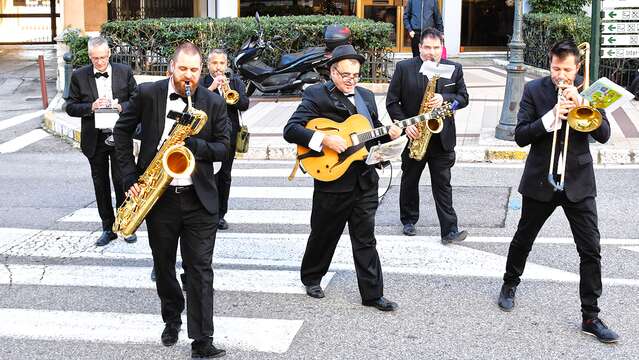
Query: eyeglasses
pixel 101 58
pixel 346 76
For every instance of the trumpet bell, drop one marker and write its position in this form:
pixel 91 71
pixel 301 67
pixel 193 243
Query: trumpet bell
pixel 584 119
pixel 231 97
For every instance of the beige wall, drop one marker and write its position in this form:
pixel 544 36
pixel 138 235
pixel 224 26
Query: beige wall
pixel 86 15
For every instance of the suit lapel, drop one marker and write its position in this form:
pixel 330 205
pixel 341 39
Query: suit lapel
pixel 162 90
pixel 421 78
pixel 92 85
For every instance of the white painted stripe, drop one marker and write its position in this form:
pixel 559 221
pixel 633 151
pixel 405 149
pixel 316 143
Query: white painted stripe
pixel 264 335
pixel 267 192
pixel 279 172
pixel 16 120
pixel 631 248
pixel 296 217
pixel 261 281
pixel 22 141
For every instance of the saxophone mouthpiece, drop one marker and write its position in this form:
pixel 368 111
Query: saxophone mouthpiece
pixel 187 88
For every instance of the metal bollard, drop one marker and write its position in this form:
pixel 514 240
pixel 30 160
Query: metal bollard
pixel 68 69
pixel 43 82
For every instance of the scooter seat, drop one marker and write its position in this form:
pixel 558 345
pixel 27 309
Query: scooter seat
pixel 289 58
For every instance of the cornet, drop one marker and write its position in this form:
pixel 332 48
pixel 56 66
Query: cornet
pixel 230 96
pixel 582 118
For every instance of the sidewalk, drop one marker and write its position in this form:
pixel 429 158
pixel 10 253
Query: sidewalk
pixel 476 124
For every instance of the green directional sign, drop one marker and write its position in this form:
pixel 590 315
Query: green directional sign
pixel 620 28
pixel 620 52
pixel 632 40
pixel 621 14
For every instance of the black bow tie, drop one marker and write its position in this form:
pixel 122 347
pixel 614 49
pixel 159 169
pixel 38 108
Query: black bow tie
pixel 349 95
pixel 175 96
pixel 99 74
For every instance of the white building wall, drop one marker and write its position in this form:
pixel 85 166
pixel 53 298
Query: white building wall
pixel 226 8
pixel 451 14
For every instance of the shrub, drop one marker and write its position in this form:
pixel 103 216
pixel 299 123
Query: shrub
pixel 77 45
pixel 566 7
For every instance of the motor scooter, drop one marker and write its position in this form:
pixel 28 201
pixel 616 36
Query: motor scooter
pixel 293 71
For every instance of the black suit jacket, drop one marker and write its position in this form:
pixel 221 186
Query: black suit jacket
pixel 83 92
pixel 539 97
pixel 233 110
pixel 323 100
pixel 406 91
pixel 148 108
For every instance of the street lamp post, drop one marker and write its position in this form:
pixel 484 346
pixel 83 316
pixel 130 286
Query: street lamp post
pixel 514 81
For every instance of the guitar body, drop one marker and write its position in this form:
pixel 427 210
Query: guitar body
pixel 329 165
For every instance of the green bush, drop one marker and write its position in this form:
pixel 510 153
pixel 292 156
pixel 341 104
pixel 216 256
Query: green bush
pixel 567 7
pixel 158 37
pixel 77 45
pixel 541 31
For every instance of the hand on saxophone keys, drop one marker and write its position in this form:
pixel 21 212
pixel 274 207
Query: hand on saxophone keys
pixel 412 132
pixel 436 101
pixel 134 190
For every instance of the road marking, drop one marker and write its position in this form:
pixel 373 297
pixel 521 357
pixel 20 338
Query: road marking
pixel 419 255
pixel 22 141
pixel 271 192
pixel 631 248
pixel 248 334
pixel 16 120
pixel 278 172
pixel 135 277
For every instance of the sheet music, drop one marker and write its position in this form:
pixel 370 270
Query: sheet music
pixel 431 68
pixel 389 151
pixel 106 118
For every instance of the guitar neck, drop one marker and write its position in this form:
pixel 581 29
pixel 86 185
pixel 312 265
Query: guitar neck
pixel 383 130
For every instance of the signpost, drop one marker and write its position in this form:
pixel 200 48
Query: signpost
pixel 615 32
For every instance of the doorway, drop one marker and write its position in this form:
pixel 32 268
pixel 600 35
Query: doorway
pixel 487 25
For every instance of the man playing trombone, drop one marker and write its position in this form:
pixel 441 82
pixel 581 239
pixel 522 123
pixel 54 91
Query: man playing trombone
pixel 544 113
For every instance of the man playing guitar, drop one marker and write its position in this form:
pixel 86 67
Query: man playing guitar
pixel 351 198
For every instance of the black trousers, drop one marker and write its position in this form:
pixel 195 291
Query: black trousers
pixel 414 42
pixel 223 180
pixel 105 154
pixel 182 216
pixel 582 217
pixel 331 212
pixel 439 164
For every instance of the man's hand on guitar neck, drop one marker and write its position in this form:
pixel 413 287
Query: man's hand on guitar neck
pixel 334 143
pixel 394 132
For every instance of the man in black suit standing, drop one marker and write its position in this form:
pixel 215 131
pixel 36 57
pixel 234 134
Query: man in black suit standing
pixel 540 113
pixel 403 101
pixel 95 86
pixel 217 65
pixel 353 197
pixel 188 209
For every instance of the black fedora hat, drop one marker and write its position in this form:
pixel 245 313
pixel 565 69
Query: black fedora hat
pixel 343 52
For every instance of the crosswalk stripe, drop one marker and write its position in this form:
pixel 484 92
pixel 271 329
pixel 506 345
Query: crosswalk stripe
pixel 279 172
pixel 399 254
pixel 271 192
pixel 249 334
pixel 22 141
pixel 631 248
pixel 261 281
pixel 17 120
pixel 297 217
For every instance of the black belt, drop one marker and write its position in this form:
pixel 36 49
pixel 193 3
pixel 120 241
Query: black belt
pixel 180 189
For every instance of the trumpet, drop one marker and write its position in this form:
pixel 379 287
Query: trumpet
pixel 230 96
pixel 582 118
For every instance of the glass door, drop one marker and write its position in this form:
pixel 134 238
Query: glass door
pixel 388 11
pixel 487 25
pixel 29 21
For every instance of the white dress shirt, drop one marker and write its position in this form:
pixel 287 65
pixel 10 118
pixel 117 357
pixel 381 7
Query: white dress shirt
pixel 104 84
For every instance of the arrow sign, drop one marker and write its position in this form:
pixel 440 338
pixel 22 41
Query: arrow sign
pixel 620 14
pixel 632 40
pixel 620 28
pixel 620 53
pixel 620 4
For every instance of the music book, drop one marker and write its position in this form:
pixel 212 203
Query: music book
pixel 389 151
pixel 105 118
pixel 430 68
pixel 605 94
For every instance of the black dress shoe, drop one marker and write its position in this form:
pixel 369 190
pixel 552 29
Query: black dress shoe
pixel 131 239
pixel 170 334
pixel 153 275
pixel 205 350
pixel 381 304
pixel 409 230
pixel 222 224
pixel 183 278
pixel 598 329
pixel 314 291
pixel 506 300
pixel 455 237
pixel 106 237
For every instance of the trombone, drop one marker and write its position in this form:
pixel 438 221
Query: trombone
pixel 582 118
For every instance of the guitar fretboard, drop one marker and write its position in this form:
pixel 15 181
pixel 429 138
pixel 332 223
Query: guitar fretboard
pixel 383 130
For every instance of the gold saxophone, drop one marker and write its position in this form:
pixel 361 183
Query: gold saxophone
pixel 171 161
pixel 417 147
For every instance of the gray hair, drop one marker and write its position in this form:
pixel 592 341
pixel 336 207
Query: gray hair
pixel 97 42
pixel 216 52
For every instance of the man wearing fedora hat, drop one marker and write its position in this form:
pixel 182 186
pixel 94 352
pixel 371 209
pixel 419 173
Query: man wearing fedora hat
pixel 350 199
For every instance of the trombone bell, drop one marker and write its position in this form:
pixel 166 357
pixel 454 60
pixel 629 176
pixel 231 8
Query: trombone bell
pixel 584 119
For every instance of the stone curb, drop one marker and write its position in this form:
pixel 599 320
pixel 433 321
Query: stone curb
pixel 55 120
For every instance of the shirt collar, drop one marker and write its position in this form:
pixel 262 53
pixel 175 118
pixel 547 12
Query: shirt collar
pixel 107 71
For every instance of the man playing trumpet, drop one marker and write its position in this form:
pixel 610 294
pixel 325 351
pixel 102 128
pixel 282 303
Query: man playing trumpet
pixel 232 89
pixel 544 109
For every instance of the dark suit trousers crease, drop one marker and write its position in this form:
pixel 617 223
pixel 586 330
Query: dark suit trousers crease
pixel 439 164
pixel 183 216
pixel 414 43
pixel 105 154
pixel 331 212
pixel 223 180
pixel 582 217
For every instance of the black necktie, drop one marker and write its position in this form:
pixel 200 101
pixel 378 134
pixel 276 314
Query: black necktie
pixel 175 96
pixel 99 74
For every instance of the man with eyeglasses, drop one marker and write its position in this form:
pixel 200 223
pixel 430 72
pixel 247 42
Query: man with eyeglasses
pixel 404 98
pixel 93 87
pixel 350 199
